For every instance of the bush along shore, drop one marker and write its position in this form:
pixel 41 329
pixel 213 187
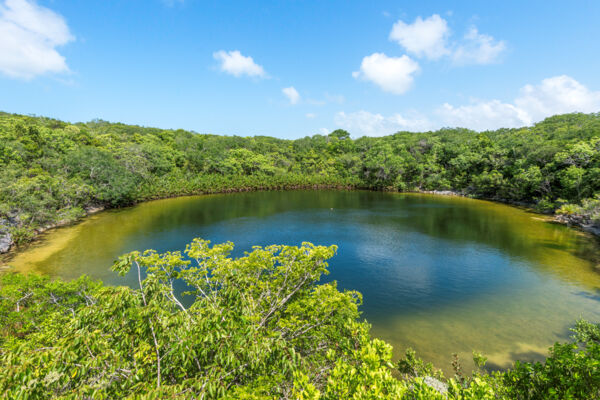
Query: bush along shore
pixel 260 326
pixel 53 172
pixel 586 215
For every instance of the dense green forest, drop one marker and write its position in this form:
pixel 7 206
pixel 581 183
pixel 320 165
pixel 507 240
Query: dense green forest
pixel 52 171
pixel 255 327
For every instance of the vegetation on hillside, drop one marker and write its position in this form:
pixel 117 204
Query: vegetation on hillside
pixel 52 171
pixel 255 327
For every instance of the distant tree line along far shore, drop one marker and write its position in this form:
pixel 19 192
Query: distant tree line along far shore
pixel 52 171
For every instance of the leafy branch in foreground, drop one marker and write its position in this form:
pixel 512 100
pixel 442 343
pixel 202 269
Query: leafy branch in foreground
pixel 256 316
pixel 201 324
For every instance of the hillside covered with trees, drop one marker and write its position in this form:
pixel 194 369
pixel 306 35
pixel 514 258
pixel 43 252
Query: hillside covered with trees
pixel 51 171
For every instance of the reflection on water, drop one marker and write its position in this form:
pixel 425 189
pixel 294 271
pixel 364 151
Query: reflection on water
pixel 439 274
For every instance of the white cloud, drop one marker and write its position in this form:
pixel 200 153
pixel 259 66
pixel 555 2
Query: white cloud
pixel 556 95
pixel 324 131
pixel 29 36
pixel 311 115
pixel 424 37
pixel 429 38
pixel 392 74
pixel 236 64
pixel 292 94
pixel 483 115
pixel 478 48
pixel 364 123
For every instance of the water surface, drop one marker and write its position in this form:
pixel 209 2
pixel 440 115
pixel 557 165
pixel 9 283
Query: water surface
pixel 438 274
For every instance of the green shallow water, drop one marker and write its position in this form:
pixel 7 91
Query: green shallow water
pixel 438 274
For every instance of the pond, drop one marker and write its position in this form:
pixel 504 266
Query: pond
pixel 439 274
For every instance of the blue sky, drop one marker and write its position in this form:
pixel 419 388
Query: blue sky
pixel 296 68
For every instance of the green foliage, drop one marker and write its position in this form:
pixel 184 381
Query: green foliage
pixel 585 332
pixel 479 359
pixel 569 373
pixel 202 324
pixel 252 322
pixel 413 366
pixel 51 171
pixel 568 209
pixel 588 211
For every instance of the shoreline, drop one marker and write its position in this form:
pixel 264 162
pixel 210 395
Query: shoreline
pixel 574 221
pixel 571 221
pixel 8 246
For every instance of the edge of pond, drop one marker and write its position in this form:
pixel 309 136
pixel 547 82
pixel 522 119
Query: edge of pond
pixel 570 221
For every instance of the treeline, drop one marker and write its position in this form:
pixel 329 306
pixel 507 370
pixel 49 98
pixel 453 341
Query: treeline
pixel 256 327
pixel 52 171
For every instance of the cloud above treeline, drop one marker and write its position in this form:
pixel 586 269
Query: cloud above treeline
pixel 30 36
pixel 365 123
pixel 555 95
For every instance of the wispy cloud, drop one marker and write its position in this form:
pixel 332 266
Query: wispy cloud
pixel 478 48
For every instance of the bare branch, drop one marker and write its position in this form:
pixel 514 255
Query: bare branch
pixel 28 295
pixel 283 302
